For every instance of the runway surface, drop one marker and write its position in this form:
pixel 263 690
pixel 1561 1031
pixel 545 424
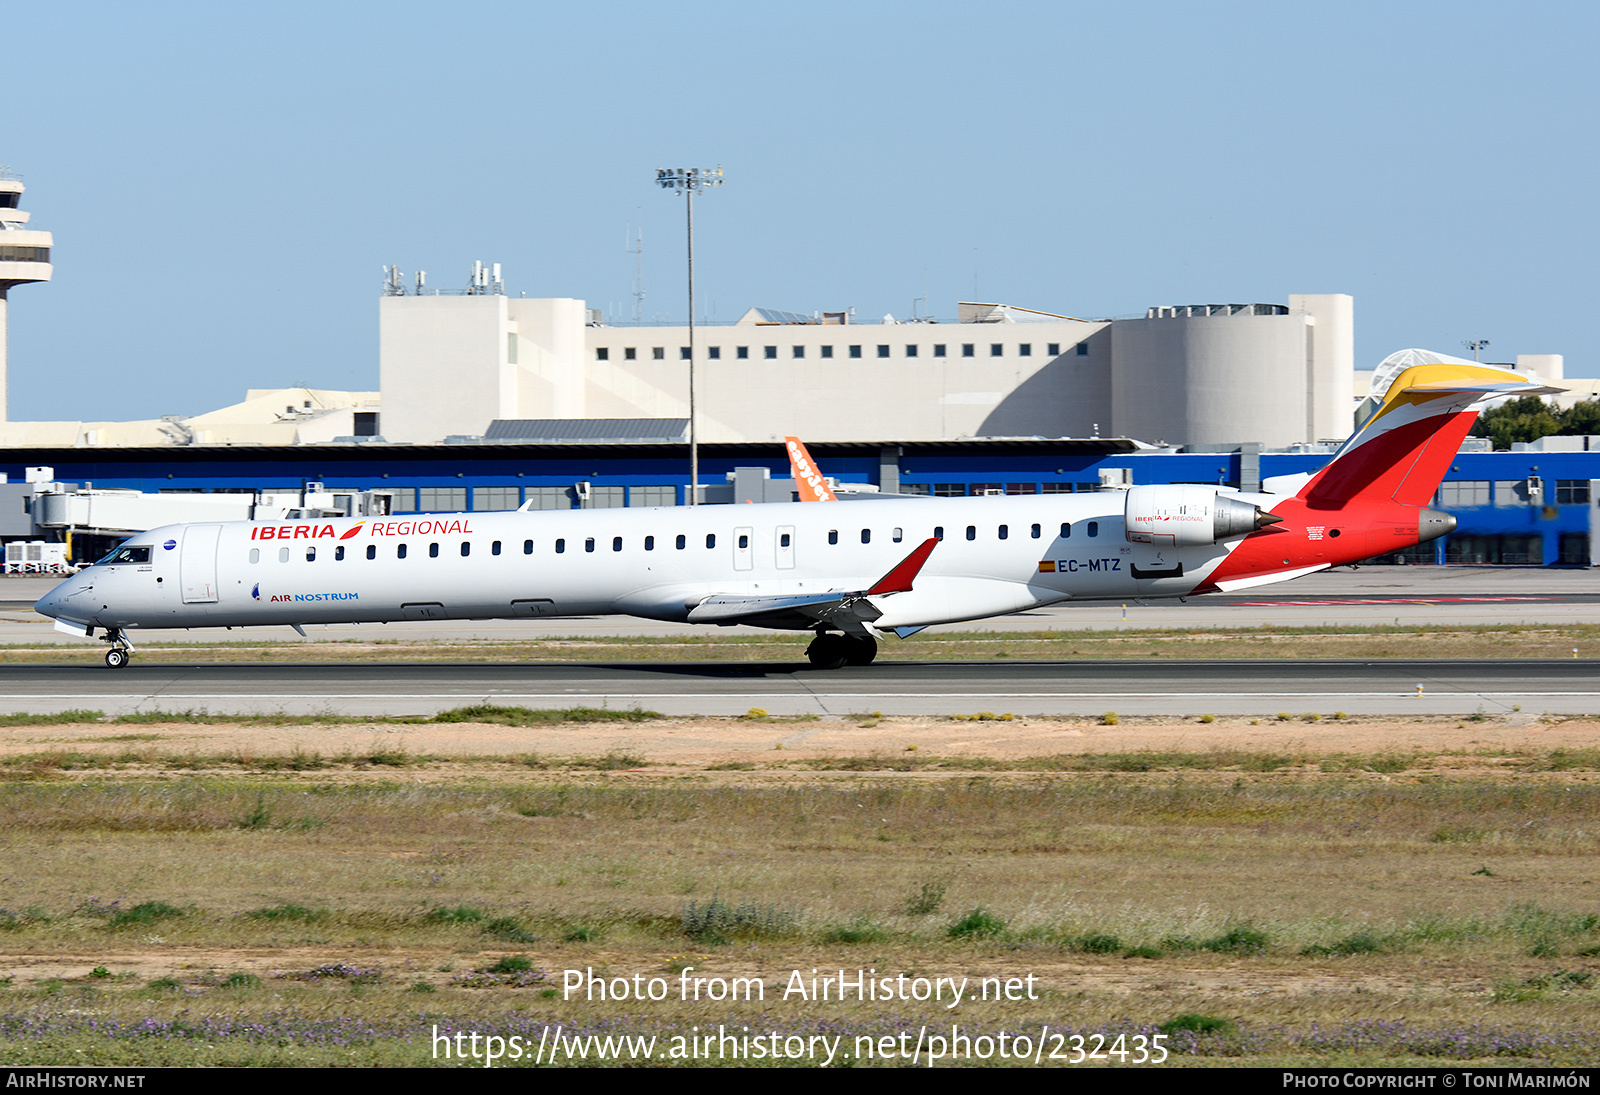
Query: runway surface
pixel 1252 688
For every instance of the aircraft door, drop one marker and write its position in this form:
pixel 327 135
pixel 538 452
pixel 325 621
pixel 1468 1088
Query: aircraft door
pixel 743 556
pixel 785 547
pixel 197 564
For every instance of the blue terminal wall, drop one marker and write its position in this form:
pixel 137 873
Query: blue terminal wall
pixel 947 468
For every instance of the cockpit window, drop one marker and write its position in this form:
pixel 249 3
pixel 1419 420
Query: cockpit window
pixel 127 554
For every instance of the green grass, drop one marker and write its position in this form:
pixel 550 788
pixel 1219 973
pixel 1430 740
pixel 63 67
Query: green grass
pixel 144 915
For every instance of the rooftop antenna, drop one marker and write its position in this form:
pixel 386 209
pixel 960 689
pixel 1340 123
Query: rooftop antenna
pixel 637 250
pixel 422 281
pixel 393 282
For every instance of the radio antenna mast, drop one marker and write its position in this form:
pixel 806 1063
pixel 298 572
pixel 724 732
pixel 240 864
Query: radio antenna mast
pixel 637 250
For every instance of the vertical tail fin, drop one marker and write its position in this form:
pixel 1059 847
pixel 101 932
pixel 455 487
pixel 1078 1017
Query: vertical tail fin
pixel 807 476
pixel 1401 453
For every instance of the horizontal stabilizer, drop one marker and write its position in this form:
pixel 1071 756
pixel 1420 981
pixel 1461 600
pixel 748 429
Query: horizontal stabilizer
pixel 1401 452
pixel 1525 387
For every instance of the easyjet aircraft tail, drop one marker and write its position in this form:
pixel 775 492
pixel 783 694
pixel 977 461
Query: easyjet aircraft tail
pixel 808 478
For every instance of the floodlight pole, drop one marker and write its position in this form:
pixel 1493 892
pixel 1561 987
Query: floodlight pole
pixel 1476 345
pixel 688 181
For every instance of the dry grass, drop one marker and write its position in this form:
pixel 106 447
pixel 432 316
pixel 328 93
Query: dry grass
pixel 1272 890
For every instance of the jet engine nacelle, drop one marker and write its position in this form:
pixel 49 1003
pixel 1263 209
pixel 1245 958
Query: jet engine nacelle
pixel 1184 515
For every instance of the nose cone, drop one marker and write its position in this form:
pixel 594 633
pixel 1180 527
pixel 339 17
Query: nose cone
pixel 58 602
pixel 1432 524
pixel 50 604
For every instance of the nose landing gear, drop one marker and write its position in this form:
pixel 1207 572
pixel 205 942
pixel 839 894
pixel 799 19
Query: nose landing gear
pixel 121 652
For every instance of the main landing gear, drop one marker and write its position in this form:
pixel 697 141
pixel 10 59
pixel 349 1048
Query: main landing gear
pixel 837 651
pixel 121 652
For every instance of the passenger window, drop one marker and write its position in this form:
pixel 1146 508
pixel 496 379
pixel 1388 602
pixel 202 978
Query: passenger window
pixel 433 551
pixel 283 555
pixel 744 542
pixel 711 539
pixel 972 532
pixel 833 536
pixel 338 554
pixel 494 548
pixel 616 543
pixel 1036 531
pixel 588 543
pixel 311 554
pixel 255 555
pixel 683 541
pixel 783 540
pixel 466 548
pixel 1066 530
pixel 561 546
pixel 1094 528
pixel 400 551
pixel 527 547
pixel 866 536
pixel 938 532
pixel 1005 531
pixel 649 543
pixel 372 551
pixel 897 535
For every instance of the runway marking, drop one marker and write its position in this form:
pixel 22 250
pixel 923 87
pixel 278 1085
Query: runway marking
pixel 1385 601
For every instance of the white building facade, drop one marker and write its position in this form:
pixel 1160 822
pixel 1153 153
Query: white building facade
pixel 1274 374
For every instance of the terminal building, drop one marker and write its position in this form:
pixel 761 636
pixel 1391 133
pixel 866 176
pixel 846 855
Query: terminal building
pixel 1276 374
pixel 491 402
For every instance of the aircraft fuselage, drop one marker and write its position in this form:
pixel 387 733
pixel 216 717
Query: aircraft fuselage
pixel 996 555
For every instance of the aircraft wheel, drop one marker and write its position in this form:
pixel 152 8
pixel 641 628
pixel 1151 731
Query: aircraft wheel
pixel 828 652
pixel 860 649
pixel 117 658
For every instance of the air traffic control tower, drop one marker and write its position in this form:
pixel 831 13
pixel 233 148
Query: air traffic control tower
pixel 24 257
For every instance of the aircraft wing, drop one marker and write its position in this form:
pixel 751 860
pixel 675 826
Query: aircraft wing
pixel 732 608
pixel 851 610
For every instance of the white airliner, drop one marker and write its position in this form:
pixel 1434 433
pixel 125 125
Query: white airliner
pixel 848 572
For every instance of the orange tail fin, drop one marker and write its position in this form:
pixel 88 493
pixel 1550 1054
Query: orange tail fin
pixel 807 477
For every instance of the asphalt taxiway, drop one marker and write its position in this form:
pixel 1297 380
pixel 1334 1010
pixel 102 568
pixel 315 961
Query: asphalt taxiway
pixel 1182 688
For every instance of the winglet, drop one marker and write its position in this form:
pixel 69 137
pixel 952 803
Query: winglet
pixel 807 476
pixel 900 578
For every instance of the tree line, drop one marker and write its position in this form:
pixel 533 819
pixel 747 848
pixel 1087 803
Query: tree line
pixel 1529 418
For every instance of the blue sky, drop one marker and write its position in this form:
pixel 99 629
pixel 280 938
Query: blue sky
pixel 225 182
